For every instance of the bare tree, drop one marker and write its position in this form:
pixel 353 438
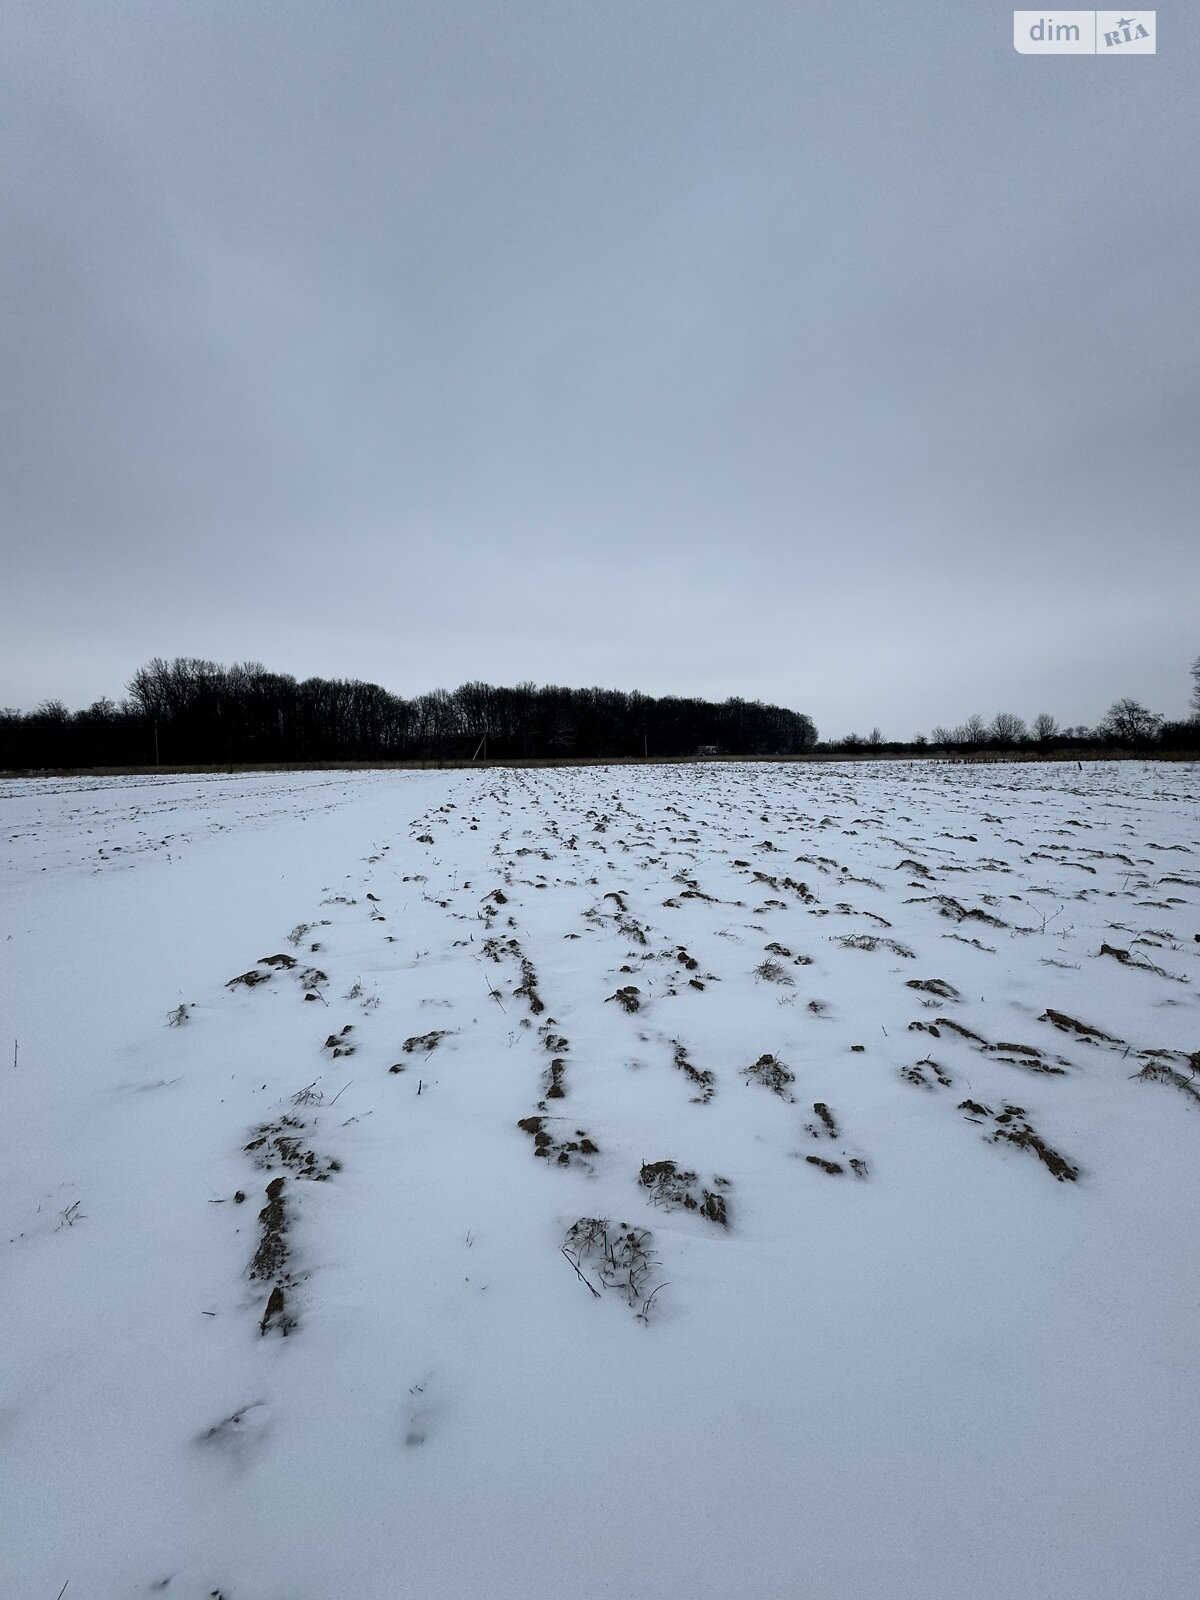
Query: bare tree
pixel 1196 687
pixel 943 736
pixel 1129 720
pixel 198 711
pixel 1044 727
pixel 1008 729
pixel 973 731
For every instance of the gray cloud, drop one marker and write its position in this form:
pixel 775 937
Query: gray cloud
pixel 846 359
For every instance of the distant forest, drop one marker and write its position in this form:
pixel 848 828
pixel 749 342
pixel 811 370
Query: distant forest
pixel 188 712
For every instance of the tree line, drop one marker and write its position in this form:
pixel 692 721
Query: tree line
pixel 1127 725
pixel 190 712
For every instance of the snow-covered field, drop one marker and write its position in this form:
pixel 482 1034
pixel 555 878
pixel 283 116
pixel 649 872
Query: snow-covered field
pixel 341 1250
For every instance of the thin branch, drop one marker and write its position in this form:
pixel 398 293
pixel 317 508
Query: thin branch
pixel 578 1274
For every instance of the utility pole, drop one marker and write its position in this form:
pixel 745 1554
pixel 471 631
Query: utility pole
pixel 156 741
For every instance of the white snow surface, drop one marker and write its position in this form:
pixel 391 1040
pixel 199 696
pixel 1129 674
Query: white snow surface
pixel 942 1372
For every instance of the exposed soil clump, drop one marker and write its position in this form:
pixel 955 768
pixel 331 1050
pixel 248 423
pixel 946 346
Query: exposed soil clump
pixel 772 1074
pixel 671 1188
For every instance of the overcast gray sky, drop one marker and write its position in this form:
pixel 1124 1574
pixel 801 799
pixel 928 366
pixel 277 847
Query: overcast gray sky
pixel 837 356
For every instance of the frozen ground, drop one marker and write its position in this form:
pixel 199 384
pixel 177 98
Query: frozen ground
pixel 929 1309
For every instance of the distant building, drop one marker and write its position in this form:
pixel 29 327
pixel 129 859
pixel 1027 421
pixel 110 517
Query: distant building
pixel 709 750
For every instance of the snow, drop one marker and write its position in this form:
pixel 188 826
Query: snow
pixel 954 1374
